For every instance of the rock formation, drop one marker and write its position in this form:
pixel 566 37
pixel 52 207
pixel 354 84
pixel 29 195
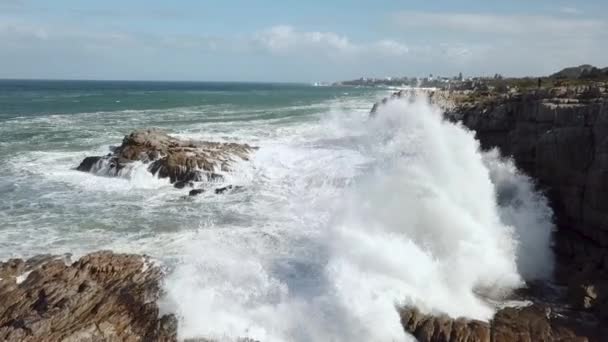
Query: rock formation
pixel 533 323
pixel 182 161
pixel 101 297
pixel 559 136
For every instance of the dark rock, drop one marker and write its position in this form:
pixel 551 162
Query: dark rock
pixel 533 323
pixel 214 177
pixel 225 189
pixel 87 164
pixel 101 297
pixel 559 136
pixel 222 190
pixel 173 158
pixel 182 184
pixel 561 143
pixel 374 110
pixel 196 192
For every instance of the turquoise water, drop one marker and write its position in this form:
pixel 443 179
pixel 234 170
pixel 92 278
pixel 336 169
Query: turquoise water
pixel 47 127
pixel 34 98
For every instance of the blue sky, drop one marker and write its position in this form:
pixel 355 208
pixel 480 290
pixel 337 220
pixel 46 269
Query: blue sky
pixel 287 40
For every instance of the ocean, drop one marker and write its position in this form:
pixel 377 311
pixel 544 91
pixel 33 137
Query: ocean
pixel 339 217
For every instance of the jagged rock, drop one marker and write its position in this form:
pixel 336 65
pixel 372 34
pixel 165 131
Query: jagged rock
pixel 101 297
pixel 182 161
pixel 196 192
pixel 214 177
pixel 529 324
pixel 88 163
pixel 183 184
pixel 559 136
pixel 217 191
pixel 225 189
pixel 588 290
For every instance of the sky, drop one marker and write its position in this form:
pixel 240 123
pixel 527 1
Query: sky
pixel 297 41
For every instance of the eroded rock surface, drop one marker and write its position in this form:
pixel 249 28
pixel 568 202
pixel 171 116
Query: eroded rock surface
pixel 182 161
pixel 528 324
pixel 101 297
pixel 559 136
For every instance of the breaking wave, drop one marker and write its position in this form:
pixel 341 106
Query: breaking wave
pixel 413 214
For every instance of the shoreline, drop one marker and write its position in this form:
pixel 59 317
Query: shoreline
pixel 478 111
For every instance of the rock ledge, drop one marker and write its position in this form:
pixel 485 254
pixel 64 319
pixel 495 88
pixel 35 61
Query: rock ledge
pixel 101 297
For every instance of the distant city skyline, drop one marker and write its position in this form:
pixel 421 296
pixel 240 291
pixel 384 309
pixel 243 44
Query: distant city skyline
pixel 291 41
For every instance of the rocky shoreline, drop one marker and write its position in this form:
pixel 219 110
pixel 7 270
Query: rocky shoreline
pixel 557 135
pixel 105 296
pixel 102 296
pixel 532 323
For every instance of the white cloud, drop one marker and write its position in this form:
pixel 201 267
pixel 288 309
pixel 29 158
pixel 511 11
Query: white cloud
pixel 499 24
pixel 392 47
pixel 443 43
pixel 457 51
pixel 14 31
pixel 285 39
pixel 510 44
pixel 570 10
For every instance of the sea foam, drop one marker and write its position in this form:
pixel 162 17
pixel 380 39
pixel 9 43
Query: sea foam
pixel 423 219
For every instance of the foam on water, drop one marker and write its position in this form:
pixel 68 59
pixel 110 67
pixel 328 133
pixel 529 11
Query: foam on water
pixel 339 218
pixel 368 215
pixel 60 167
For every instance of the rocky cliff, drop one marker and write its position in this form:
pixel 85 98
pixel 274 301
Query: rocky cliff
pixel 559 136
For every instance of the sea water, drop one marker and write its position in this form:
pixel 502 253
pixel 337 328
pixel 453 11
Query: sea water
pixel 338 220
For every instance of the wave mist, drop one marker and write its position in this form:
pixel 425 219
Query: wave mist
pixel 429 221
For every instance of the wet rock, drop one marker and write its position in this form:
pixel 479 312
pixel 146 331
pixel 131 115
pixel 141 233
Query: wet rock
pixel 588 290
pixel 559 136
pixel 374 110
pixel 169 157
pixel 196 192
pixel 533 323
pixel 214 177
pixel 222 190
pixel 101 297
pixel 87 164
pixel 225 189
pixel 183 184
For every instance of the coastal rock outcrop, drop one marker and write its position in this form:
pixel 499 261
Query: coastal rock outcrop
pixel 101 297
pixel 182 161
pixel 559 136
pixel 533 323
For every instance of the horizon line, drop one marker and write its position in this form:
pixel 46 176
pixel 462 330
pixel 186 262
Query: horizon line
pixel 144 80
